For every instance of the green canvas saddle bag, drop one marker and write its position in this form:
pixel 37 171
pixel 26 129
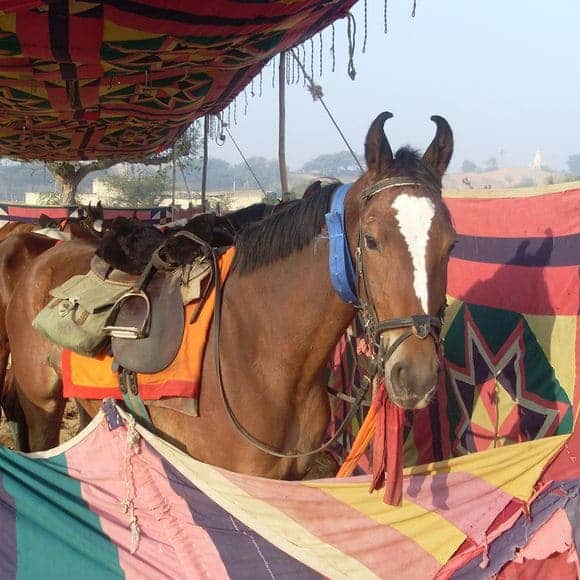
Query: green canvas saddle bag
pixel 77 313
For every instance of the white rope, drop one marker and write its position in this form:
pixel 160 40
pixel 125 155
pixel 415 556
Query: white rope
pixel 131 449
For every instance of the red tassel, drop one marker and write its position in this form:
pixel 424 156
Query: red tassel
pixel 395 420
pixel 388 448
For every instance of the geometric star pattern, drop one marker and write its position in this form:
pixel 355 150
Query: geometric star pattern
pixel 495 406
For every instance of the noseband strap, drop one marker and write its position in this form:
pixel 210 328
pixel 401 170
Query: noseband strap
pixel 419 326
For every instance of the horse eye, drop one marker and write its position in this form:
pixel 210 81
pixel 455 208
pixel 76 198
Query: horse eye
pixel 370 242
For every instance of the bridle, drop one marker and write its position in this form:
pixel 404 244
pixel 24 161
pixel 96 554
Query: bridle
pixel 420 326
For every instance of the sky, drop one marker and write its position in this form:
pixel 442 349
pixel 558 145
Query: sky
pixel 504 73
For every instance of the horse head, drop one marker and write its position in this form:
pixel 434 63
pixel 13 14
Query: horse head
pixel 94 218
pixel 401 234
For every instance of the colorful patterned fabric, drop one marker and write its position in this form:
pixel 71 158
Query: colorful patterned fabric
pixel 88 80
pixel 94 378
pixel 511 332
pixel 31 213
pixel 111 504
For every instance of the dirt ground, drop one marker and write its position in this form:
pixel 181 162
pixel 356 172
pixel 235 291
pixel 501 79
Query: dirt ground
pixel 70 426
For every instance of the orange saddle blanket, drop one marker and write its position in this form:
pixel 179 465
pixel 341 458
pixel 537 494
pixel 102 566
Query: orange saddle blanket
pixel 94 377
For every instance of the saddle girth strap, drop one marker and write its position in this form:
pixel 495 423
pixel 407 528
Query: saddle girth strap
pixel 130 391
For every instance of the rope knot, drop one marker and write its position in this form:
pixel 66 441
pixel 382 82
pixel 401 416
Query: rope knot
pixel 315 91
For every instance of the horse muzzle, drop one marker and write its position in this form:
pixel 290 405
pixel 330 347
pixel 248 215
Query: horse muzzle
pixel 409 387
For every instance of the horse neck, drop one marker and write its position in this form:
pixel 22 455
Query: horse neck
pixel 292 311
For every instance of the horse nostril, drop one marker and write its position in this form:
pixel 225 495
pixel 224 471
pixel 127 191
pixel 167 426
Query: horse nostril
pixel 398 376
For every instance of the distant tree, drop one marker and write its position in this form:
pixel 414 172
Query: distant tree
pixel 491 164
pixel 265 169
pixel 468 166
pixel 69 174
pixel 139 186
pixel 333 164
pixel 573 164
pixel 220 175
pixel 49 198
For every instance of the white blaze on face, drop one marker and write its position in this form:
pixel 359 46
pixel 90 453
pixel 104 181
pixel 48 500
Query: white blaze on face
pixel 414 215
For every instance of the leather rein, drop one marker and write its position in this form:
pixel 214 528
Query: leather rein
pixel 420 326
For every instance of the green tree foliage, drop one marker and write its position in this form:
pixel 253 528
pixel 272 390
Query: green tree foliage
pixel 573 164
pixel 49 198
pixel 69 174
pixel 469 167
pixel 139 186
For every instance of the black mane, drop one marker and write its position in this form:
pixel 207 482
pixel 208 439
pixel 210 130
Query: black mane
pixel 284 232
pixel 294 227
pixel 408 162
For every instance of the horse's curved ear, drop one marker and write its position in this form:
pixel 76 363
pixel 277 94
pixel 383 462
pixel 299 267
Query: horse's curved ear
pixel 43 220
pixel 439 153
pixel 378 153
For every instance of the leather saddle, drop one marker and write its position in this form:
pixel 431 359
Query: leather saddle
pixel 146 324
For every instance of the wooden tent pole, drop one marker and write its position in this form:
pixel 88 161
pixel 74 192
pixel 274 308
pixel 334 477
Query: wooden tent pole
pixel 204 166
pixel 173 186
pixel 282 126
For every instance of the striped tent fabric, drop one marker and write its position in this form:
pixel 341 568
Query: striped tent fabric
pixel 119 502
pixel 31 213
pixel 100 79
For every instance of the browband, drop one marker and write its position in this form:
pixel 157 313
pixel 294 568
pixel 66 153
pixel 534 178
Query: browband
pixel 389 183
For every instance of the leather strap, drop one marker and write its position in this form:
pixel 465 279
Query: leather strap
pixel 130 391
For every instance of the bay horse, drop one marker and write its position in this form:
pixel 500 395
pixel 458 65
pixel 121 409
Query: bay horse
pixel 11 228
pixel 18 249
pixel 281 316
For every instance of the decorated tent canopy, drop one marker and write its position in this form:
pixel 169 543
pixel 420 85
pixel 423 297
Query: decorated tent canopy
pixel 90 80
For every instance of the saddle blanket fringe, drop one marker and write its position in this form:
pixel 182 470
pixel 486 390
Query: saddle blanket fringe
pixel 94 378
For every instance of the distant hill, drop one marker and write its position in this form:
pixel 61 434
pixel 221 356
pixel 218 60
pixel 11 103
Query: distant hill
pixel 507 177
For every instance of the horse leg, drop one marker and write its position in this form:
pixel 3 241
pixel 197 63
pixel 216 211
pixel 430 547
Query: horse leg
pixel 43 422
pixel 9 399
pixel 43 406
pixel 14 414
pixel 4 357
pixel 84 417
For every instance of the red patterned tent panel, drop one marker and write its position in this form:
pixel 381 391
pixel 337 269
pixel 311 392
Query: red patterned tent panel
pixel 88 80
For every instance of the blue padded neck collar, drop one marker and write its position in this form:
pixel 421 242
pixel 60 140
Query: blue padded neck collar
pixel 342 272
